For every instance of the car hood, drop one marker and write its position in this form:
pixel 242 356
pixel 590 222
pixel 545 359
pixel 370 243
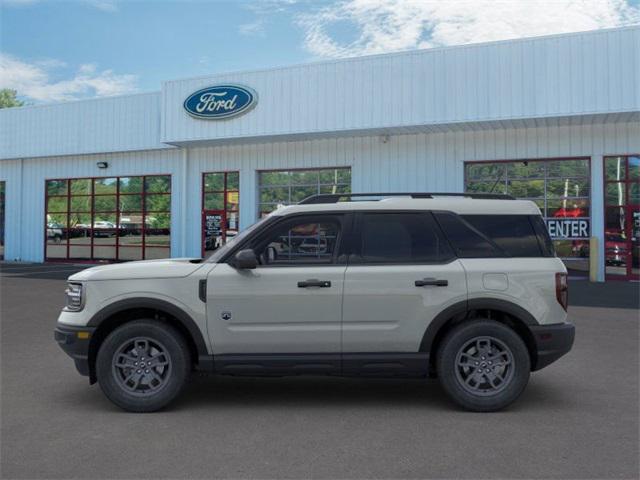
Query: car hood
pixel 164 268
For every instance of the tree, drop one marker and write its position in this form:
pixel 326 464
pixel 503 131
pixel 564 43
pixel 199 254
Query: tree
pixel 8 98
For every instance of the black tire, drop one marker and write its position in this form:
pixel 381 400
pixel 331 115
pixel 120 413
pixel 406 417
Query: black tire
pixel 460 357
pixel 161 384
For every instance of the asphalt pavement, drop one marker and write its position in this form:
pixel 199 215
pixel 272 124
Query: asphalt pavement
pixel 578 418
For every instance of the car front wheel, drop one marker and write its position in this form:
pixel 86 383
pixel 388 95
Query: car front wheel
pixel 483 365
pixel 143 365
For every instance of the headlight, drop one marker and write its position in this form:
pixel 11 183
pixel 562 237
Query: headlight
pixel 75 300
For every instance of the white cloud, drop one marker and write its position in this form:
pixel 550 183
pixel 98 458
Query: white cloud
pixel 389 25
pixel 34 80
pixel 253 28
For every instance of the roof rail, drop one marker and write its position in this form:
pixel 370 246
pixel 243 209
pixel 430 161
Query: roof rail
pixel 336 197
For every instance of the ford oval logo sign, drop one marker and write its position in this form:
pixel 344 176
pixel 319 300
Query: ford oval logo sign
pixel 220 101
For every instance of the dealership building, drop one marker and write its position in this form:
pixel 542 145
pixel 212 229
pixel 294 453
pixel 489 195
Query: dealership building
pixel 176 172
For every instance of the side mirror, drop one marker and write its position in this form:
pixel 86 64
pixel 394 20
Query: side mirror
pixel 245 260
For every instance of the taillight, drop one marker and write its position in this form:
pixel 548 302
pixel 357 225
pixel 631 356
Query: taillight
pixel 562 290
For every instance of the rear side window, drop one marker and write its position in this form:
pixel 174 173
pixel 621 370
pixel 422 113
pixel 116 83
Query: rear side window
pixel 400 238
pixel 467 241
pixel 512 233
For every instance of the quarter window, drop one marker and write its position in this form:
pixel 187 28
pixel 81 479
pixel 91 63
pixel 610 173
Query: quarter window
pixel 512 233
pixel 401 238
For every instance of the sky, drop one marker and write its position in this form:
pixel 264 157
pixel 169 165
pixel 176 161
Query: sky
pixel 55 50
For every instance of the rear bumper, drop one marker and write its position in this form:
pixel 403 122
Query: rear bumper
pixel 74 345
pixel 552 342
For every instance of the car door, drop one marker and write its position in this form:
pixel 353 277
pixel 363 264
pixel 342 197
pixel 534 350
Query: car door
pixel 292 302
pixel 401 274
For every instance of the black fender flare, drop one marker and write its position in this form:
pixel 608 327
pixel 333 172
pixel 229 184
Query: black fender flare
pixel 156 304
pixel 461 309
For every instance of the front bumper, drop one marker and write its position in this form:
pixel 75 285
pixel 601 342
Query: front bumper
pixel 552 342
pixel 75 342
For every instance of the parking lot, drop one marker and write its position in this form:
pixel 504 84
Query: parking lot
pixel 578 418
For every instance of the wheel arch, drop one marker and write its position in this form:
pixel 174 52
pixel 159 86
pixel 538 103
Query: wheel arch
pixel 123 311
pixel 502 311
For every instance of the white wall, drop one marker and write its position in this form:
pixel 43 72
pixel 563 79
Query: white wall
pixel 416 162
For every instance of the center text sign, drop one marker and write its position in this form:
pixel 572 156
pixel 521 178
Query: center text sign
pixel 220 102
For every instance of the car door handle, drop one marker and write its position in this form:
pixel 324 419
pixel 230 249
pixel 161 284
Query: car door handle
pixel 426 282
pixel 314 283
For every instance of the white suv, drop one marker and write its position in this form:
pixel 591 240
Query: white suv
pixel 463 287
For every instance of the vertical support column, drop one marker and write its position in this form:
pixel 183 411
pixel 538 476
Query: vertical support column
pixel 184 203
pixel 248 197
pixel 597 214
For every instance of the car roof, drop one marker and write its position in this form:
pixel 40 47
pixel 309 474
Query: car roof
pixel 460 205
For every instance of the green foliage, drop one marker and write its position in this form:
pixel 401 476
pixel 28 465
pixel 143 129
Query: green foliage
pixel 8 98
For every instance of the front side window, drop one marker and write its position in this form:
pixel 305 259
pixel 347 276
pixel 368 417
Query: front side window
pixel 307 241
pixel 400 238
pixel 278 187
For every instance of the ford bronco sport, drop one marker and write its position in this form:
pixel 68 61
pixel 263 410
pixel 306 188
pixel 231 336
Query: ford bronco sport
pixel 462 287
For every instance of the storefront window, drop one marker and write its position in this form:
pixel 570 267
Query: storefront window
pixel 285 187
pixel 220 209
pixel 561 189
pixel 622 216
pixel 108 219
pixel 2 187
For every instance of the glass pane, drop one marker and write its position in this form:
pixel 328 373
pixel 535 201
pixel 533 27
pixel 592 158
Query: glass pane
pixel 344 175
pixel 568 188
pixel 80 252
pixel 57 204
pixel 615 193
pixel 130 253
pixel 105 185
pixel 274 195
pixel 567 208
pixel 233 199
pixel 634 194
pixel 158 203
pixel 213 182
pixel 233 181
pixel 274 178
pixel 526 188
pixel 80 204
pixel 57 220
pixel 80 186
pixel 159 184
pixel 80 220
pixel 567 168
pixel 156 252
pixel 614 168
pixel 304 177
pixel 526 169
pixel 56 187
pixel 615 241
pixel 80 235
pixel 333 189
pixel 158 220
pixel 634 168
pixel 575 254
pixel 265 209
pixel 130 232
pixel 103 236
pixel 130 185
pixel 157 237
pixel 56 235
pixel 56 251
pixel 484 171
pixel 130 203
pixel 104 221
pixel 104 203
pixel 102 252
pixel 214 201
pixel 635 243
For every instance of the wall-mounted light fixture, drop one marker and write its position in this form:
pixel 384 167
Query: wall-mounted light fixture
pixel 102 165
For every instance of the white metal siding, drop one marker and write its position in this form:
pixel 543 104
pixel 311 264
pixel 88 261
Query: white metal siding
pixel 558 76
pixel 115 124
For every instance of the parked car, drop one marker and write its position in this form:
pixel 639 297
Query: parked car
pixel 104 229
pixel 465 288
pixel 54 232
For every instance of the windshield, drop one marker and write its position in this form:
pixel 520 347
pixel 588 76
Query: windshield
pixel 222 251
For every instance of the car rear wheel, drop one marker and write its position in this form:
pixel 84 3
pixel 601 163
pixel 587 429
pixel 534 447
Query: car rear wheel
pixel 483 365
pixel 143 365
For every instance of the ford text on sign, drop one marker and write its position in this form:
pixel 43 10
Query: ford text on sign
pixel 568 228
pixel 220 101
